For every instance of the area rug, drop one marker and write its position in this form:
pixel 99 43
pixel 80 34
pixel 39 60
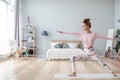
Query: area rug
pixel 87 76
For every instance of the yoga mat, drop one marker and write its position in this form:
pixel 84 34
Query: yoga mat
pixel 87 76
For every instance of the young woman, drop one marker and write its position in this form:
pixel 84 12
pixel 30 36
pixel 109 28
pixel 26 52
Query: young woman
pixel 87 37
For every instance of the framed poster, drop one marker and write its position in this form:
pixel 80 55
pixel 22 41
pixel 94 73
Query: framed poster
pixel 109 43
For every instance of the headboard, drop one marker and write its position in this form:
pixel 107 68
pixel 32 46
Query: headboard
pixel 68 41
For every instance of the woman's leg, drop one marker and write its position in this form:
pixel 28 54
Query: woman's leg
pixel 72 60
pixel 101 62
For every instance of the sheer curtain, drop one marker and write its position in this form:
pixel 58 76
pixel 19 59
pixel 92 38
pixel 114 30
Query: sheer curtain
pixel 7 24
pixel 17 21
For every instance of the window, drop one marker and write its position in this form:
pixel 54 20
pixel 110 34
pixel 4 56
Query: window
pixel 7 24
pixel 3 21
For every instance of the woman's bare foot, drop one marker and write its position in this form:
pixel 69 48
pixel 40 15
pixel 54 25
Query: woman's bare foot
pixel 114 74
pixel 73 74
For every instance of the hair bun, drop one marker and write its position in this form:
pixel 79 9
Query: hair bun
pixel 87 19
pixel 87 22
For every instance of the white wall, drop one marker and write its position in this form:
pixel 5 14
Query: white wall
pixel 117 14
pixel 67 15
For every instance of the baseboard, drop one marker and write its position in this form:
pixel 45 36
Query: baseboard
pixel 41 56
pixel 3 56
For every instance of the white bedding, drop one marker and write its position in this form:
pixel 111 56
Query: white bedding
pixel 62 53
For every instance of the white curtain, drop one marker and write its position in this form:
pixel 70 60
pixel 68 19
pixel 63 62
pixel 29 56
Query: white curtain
pixel 17 20
pixel 7 24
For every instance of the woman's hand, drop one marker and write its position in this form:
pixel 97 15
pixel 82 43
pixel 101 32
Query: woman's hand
pixel 59 31
pixel 114 38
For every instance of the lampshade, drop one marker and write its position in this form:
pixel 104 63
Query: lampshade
pixel 44 33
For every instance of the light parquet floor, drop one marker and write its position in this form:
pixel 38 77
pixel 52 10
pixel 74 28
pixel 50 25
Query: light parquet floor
pixel 35 69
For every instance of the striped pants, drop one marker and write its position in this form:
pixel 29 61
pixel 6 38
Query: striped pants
pixel 88 53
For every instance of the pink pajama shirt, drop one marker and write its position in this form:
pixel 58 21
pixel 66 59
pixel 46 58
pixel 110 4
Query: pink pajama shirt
pixel 88 40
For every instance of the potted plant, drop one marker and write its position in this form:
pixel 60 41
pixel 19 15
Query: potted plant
pixel 33 39
pixel 30 32
pixel 117 47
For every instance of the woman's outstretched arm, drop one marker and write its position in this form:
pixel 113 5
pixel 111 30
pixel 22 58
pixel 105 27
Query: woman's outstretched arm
pixel 98 36
pixel 71 33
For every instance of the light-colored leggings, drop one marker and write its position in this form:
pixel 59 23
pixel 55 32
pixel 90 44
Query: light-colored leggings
pixel 86 54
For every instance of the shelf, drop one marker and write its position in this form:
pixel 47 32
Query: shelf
pixel 30 55
pixel 29 42
pixel 28 35
pixel 31 48
pixel 33 28
pixel 29 38
pixel 23 40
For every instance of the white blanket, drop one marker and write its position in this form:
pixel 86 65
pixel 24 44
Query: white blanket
pixel 62 53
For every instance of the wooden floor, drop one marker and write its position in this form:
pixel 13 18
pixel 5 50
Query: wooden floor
pixel 34 69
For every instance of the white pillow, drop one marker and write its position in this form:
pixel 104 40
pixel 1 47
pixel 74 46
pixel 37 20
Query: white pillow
pixel 54 43
pixel 73 45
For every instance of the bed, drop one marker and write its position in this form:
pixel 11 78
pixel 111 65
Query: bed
pixel 64 52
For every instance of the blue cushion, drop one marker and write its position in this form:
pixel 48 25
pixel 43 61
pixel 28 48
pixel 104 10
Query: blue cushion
pixel 58 46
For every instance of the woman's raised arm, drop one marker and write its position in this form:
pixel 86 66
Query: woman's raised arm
pixel 98 36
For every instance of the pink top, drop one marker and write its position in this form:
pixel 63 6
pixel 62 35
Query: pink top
pixel 88 39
